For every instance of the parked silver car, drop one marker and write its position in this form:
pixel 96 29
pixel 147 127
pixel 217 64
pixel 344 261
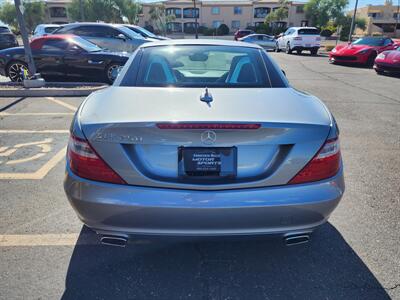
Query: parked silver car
pixel 266 41
pixel 44 29
pixel 200 138
pixel 113 37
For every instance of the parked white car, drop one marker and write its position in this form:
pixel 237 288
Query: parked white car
pixel 44 29
pixel 299 39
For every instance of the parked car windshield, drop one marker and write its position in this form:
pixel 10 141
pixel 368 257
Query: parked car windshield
pixel 146 32
pixel 370 41
pixel 50 29
pixel 130 33
pixel 202 66
pixel 4 29
pixel 86 45
pixel 308 31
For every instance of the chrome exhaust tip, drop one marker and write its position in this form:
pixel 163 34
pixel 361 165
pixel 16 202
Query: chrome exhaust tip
pixel 297 239
pixel 112 240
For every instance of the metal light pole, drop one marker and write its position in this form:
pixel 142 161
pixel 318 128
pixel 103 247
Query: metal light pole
pixel 195 20
pixel 397 18
pixel 24 34
pixel 353 20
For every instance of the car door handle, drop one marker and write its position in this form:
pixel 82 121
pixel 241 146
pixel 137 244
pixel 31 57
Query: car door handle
pixel 95 62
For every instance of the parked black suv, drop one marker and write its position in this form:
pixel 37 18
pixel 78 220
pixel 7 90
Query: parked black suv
pixel 7 38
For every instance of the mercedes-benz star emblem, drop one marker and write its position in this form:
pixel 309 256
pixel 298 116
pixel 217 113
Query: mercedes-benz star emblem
pixel 208 137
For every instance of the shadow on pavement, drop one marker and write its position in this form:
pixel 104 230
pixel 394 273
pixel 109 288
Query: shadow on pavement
pixel 325 268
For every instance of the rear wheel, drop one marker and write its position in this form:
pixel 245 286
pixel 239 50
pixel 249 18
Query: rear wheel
pixel 371 59
pixel 288 50
pixel 314 51
pixel 112 72
pixel 277 48
pixel 299 52
pixel 16 70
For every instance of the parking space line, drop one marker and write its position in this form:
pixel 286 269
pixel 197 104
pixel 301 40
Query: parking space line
pixel 62 103
pixel 39 174
pixel 35 114
pixel 20 240
pixel 34 131
pixel 12 104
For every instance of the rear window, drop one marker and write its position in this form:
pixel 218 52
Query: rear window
pixel 200 66
pixel 308 31
pixel 50 29
pixel 4 30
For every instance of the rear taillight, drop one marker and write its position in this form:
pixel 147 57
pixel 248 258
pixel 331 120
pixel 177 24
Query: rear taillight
pixel 298 38
pixel 324 165
pixel 86 163
pixel 208 126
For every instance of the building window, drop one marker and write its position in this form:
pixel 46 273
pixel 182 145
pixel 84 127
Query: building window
pixel 216 23
pixel 215 10
pixel 374 15
pixel 235 24
pixel 189 27
pixel 300 9
pixel 237 10
pixel 174 27
pixel 304 23
pixel 189 13
pixel 58 12
pixel 261 12
pixel 396 15
pixel 173 11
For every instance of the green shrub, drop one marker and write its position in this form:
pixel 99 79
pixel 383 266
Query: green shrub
pixel 326 32
pixel 210 31
pixel 223 29
pixel 202 29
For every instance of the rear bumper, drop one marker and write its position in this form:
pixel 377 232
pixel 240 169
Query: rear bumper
pixel 306 48
pixel 134 210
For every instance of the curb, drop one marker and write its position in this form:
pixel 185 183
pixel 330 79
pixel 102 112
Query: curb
pixel 49 92
pixel 52 89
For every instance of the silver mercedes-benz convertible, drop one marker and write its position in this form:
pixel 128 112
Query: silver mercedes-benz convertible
pixel 203 138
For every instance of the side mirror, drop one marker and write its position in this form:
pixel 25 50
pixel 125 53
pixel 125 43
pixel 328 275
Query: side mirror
pixel 121 37
pixel 284 73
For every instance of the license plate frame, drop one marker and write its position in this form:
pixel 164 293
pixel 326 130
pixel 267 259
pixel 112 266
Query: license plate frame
pixel 207 162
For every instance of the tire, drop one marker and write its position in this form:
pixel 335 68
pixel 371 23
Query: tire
pixel 379 72
pixel 370 61
pixel 14 70
pixel 277 48
pixel 109 72
pixel 314 52
pixel 288 50
pixel 299 52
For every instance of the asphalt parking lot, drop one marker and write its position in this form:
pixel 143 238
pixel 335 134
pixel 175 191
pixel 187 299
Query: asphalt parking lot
pixel 46 253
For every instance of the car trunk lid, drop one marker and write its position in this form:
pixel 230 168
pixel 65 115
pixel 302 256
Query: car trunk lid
pixel 271 133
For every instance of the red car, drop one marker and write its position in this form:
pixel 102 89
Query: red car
pixel 363 51
pixel 388 62
pixel 242 33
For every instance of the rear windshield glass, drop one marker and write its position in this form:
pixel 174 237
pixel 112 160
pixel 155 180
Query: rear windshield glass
pixel 308 31
pixel 4 29
pixel 202 66
pixel 50 29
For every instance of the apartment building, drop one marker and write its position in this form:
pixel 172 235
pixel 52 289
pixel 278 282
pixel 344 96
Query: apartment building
pixel 381 19
pixel 236 14
pixel 56 11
